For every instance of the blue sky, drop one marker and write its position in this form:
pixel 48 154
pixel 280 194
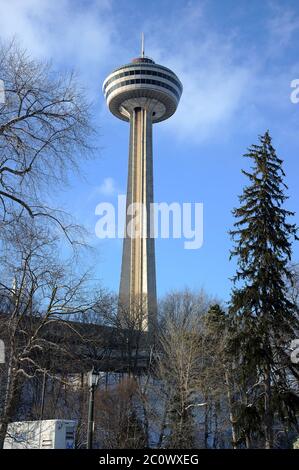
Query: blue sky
pixel 236 60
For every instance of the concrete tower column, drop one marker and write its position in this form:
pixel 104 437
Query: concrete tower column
pixel 138 272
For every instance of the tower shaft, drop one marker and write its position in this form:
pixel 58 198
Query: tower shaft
pixel 138 272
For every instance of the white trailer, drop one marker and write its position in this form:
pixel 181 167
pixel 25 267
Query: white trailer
pixel 45 434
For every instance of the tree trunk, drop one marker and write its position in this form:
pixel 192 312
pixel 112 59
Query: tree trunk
pixel 268 412
pixel 9 407
pixel 163 426
pixel 215 433
pixel 248 441
pixel 206 425
pixel 231 413
pixel 145 420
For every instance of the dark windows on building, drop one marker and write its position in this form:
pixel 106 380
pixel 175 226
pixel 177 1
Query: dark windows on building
pixel 144 72
pixel 143 81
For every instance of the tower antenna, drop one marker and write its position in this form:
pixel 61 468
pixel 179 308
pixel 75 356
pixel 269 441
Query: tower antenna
pixel 142 44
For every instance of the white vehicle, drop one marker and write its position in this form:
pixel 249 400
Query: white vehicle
pixel 45 434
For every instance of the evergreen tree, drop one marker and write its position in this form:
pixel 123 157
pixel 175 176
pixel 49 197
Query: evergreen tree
pixel 263 318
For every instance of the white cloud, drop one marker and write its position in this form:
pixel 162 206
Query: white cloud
pixel 107 188
pixel 214 75
pixel 282 25
pixel 222 78
pixel 72 34
pixel 227 81
pixel 214 91
pixel 58 28
pixel 86 36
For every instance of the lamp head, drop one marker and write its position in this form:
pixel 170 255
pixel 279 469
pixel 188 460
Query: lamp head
pixel 93 377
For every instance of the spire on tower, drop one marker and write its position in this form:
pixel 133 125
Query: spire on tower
pixel 142 44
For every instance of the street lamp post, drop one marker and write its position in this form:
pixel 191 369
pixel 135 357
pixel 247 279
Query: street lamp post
pixel 93 380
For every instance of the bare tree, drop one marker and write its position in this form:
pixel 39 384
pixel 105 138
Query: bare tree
pixel 179 366
pixel 42 294
pixel 119 424
pixel 45 126
pixel 216 379
pixel 129 323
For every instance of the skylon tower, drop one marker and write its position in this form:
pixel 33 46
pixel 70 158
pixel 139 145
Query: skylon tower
pixel 141 93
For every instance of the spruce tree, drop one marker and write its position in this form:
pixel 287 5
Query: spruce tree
pixel 263 318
